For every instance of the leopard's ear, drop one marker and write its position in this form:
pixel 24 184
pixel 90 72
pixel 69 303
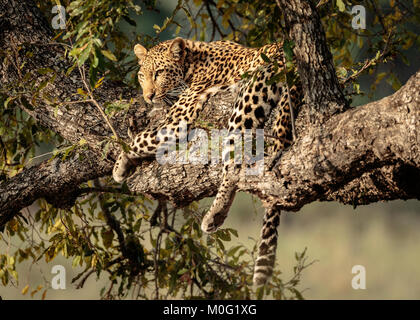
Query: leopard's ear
pixel 140 52
pixel 177 49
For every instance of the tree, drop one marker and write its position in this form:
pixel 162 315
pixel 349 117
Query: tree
pixel 76 89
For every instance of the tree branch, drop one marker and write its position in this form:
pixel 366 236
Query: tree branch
pixel 58 181
pixel 363 155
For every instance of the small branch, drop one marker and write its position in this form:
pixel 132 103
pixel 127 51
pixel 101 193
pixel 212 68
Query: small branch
pixel 102 189
pixel 92 99
pixel 163 229
pixel 368 63
pixel 156 214
pixel 85 277
pixel 214 22
pixel 379 14
pixel 155 264
pixel 113 223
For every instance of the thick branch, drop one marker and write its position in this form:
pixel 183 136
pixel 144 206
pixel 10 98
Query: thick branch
pixel 360 156
pixel 366 154
pixel 57 181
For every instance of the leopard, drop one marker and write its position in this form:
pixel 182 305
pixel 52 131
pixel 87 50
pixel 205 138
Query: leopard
pixel 183 74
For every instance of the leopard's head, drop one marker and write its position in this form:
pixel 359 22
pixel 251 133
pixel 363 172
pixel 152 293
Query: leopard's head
pixel 161 73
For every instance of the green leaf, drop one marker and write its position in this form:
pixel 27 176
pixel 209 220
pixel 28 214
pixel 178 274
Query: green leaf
pixel 380 76
pixel 109 55
pixel 233 250
pixel 341 6
pixel 70 70
pixel 8 100
pixel 43 84
pixel 85 54
pixel 233 231
pixel 297 293
pixel 288 49
pixel 224 235
pixel 182 271
pixel 260 293
pixel 394 82
pixel 44 71
pixel 76 261
pixel 95 60
pixel 82 92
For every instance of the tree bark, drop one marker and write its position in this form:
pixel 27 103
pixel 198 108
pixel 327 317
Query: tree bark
pixel 367 154
pixel 363 155
pixel 57 181
pixel 322 90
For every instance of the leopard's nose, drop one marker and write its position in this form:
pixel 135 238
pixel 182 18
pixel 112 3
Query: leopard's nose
pixel 149 97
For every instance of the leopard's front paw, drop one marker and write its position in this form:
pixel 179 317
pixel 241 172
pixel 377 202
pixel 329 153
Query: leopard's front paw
pixel 122 168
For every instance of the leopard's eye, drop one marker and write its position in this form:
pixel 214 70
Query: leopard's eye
pixel 157 73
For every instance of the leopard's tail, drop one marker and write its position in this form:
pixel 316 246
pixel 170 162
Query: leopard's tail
pixel 266 257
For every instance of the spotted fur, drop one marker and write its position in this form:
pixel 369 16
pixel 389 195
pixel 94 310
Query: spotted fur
pixel 183 74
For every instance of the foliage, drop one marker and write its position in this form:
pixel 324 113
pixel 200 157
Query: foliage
pixel 111 231
pixel 114 233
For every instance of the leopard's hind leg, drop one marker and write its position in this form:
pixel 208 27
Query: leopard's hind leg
pixel 254 103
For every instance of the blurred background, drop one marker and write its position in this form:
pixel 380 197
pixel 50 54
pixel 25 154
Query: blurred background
pixel 382 237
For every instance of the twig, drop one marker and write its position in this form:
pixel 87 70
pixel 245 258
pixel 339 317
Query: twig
pixel 379 14
pixel 108 293
pixel 101 111
pixel 113 223
pixel 368 63
pixel 214 22
pixel 156 213
pixel 82 282
pixel 224 265
pixel 104 190
pixel 155 263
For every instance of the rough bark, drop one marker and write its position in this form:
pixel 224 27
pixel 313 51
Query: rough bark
pixel 57 181
pixel 362 155
pixel 314 60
